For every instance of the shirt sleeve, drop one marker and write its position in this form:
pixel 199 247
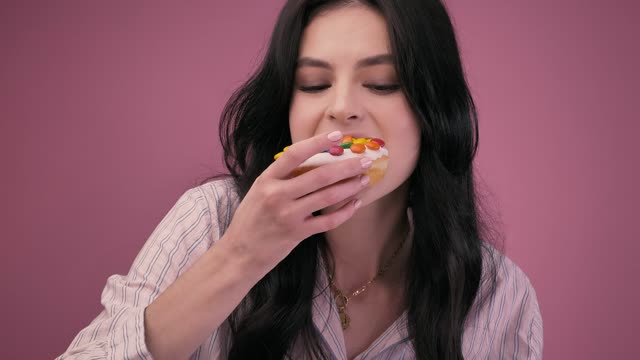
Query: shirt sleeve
pixel 118 332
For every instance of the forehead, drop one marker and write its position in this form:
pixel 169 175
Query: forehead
pixel 344 33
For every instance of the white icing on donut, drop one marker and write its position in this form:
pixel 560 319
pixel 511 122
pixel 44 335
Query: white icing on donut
pixel 325 157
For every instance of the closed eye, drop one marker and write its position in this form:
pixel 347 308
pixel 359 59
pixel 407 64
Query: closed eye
pixel 314 89
pixel 385 89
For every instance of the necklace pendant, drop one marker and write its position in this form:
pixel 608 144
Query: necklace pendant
pixel 344 320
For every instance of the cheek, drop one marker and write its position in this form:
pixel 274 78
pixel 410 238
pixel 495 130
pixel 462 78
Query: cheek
pixel 296 121
pixel 303 119
pixel 406 120
pixel 406 157
pixel 405 138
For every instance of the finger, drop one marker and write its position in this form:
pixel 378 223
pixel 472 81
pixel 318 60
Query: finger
pixel 330 195
pixel 297 153
pixel 325 175
pixel 326 222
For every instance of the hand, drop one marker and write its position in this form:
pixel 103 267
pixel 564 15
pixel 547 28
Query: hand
pixel 276 214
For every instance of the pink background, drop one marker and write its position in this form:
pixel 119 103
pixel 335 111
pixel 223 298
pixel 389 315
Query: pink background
pixel 109 112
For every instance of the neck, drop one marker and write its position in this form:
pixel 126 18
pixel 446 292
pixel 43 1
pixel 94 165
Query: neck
pixel 363 244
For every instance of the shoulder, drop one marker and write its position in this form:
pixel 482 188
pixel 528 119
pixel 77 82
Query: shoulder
pixel 221 198
pixel 219 193
pixel 505 315
pixel 504 284
pixel 507 274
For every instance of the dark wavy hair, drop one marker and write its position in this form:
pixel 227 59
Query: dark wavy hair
pixel 451 229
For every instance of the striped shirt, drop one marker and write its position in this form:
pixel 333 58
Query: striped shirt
pixel 508 325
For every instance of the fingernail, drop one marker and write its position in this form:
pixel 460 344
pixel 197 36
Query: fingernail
pixel 364 179
pixel 335 136
pixel 357 204
pixel 366 162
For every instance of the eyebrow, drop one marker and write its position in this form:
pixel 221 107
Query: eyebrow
pixel 369 61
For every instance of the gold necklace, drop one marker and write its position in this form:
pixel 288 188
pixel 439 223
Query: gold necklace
pixel 342 300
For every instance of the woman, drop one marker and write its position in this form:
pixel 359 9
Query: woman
pixel 264 266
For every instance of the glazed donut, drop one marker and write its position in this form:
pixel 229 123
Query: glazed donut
pixel 349 147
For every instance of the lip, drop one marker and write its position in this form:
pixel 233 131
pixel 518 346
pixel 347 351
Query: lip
pixel 357 134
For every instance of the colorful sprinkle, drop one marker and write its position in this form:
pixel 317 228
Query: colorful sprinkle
pixel 356 145
pixel 372 145
pixel 379 141
pixel 357 148
pixel 336 150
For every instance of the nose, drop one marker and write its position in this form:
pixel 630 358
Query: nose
pixel 344 106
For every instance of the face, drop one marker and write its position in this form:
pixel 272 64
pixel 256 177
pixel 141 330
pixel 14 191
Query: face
pixel 345 80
